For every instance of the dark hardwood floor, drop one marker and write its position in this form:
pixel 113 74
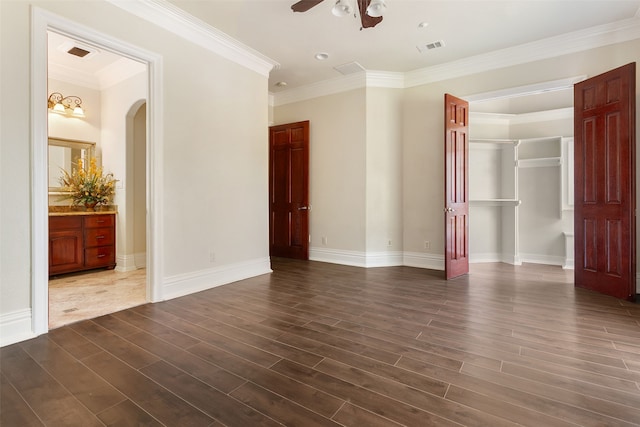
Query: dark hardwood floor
pixel 318 344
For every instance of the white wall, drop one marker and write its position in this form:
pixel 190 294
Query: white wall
pixel 384 174
pixel 355 175
pixel 138 162
pixel 117 102
pixel 15 174
pixel 337 169
pixel 214 136
pixel 81 128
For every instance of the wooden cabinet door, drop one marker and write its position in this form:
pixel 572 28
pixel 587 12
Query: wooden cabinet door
pixel 65 251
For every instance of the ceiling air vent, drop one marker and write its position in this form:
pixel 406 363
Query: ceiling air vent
pixel 78 51
pixel 350 68
pixel 430 46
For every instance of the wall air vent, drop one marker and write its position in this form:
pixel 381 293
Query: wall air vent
pixel 430 46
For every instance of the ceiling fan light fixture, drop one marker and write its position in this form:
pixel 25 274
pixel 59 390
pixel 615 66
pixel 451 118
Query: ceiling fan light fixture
pixel 342 8
pixel 376 8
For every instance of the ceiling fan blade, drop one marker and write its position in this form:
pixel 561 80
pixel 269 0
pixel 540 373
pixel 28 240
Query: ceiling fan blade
pixel 367 21
pixel 304 5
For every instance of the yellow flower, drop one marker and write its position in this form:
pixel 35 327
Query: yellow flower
pixel 88 185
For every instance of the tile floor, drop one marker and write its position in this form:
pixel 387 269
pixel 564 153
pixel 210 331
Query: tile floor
pixel 80 296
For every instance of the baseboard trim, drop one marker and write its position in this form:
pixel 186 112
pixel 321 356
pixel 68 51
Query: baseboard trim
pixel 543 259
pixel 185 284
pixel 377 259
pixel 140 259
pixel 423 260
pixel 357 258
pixel 335 256
pixel 485 257
pixel 15 327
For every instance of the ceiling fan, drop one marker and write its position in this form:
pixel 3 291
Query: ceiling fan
pixel 370 10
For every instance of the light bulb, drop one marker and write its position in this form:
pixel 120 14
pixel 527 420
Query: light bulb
pixel 342 8
pixel 376 8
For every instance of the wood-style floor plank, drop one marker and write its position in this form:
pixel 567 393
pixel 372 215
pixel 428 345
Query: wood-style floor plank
pixel 315 344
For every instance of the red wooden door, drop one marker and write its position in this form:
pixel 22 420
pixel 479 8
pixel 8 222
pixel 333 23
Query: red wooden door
pixel 456 186
pixel 604 156
pixel 289 190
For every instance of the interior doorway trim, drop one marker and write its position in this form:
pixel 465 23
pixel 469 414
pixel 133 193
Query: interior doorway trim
pixel 41 22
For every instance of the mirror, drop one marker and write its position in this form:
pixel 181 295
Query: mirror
pixel 63 154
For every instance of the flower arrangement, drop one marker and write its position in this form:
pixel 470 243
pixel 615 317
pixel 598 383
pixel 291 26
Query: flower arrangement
pixel 89 187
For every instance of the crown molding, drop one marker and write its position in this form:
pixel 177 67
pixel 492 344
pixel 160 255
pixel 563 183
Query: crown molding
pixel 115 73
pixel 323 88
pixel 386 79
pixel 564 44
pixel 383 79
pixel 72 75
pixel 122 69
pixel 174 19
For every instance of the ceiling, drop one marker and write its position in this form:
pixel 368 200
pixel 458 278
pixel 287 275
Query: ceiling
pixel 466 27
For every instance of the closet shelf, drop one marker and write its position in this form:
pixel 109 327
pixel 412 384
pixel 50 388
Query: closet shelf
pixel 539 162
pixel 494 202
pixel 494 141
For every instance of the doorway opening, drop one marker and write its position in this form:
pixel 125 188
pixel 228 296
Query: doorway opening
pixel 44 22
pixel 521 180
pixel 117 130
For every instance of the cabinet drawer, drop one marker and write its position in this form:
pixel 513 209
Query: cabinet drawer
pixel 98 237
pixel 64 222
pixel 95 221
pixel 99 257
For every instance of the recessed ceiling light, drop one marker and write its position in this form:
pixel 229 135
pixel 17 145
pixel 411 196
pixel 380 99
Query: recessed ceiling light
pixel 281 84
pixel 423 24
pixel 321 56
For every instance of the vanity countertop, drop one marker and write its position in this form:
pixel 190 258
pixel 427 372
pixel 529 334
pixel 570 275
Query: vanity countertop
pixel 81 210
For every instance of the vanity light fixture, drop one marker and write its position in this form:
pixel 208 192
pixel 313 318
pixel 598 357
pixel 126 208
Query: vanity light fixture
pixel 71 104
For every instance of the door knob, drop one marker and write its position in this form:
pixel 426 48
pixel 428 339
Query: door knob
pixel 449 210
pixel 304 208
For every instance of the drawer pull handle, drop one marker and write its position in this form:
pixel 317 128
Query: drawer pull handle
pixel 99 237
pixel 101 256
pixel 100 221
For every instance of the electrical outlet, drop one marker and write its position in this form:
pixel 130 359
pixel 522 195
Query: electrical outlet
pixel 212 257
pixel 389 243
pixel 427 244
pixel 324 240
